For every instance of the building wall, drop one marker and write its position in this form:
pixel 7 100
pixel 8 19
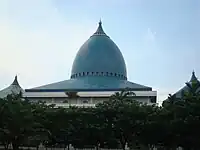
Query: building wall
pixel 81 101
pixel 87 99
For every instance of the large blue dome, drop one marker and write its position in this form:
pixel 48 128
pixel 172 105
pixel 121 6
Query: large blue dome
pixel 98 66
pixel 99 56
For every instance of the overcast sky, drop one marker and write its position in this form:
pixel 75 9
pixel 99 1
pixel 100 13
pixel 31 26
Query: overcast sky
pixel 159 39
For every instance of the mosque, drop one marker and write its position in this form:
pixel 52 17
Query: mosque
pixel 193 78
pixel 98 71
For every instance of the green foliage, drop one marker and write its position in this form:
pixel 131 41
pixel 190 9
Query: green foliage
pixel 115 123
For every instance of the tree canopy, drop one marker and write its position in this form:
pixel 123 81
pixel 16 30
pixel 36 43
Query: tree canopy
pixel 119 122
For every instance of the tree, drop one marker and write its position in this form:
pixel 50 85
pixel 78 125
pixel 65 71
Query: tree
pixel 119 121
pixel 18 120
pixel 184 117
pixel 3 131
pixel 191 116
pixel 41 134
pixel 122 105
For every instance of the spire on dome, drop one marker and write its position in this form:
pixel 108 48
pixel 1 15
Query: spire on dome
pixel 99 30
pixel 100 22
pixel 193 77
pixel 15 82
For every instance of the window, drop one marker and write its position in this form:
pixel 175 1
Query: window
pixel 85 101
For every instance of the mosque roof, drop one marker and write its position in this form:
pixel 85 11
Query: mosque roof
pixel 14 88
pixel 185 88
pixel 100 56
pixel 99 65
pixel 90 84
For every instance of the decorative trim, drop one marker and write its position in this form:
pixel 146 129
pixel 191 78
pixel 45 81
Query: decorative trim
pixel 108 74
pixel 86 90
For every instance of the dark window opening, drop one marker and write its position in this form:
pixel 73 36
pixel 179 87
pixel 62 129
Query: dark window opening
pixel 85 101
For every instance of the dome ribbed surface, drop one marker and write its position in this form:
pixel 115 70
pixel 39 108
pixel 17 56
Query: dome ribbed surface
pixel 99 56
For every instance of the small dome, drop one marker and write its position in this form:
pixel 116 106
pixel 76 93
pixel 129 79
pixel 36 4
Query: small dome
pixel 99 56
pixel 186 88
pixel 14 88
pixel 193 77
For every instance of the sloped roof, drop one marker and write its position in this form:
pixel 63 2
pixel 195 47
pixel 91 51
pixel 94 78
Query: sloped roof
pixel 14 88
pixel 94 83
pixel 185 88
